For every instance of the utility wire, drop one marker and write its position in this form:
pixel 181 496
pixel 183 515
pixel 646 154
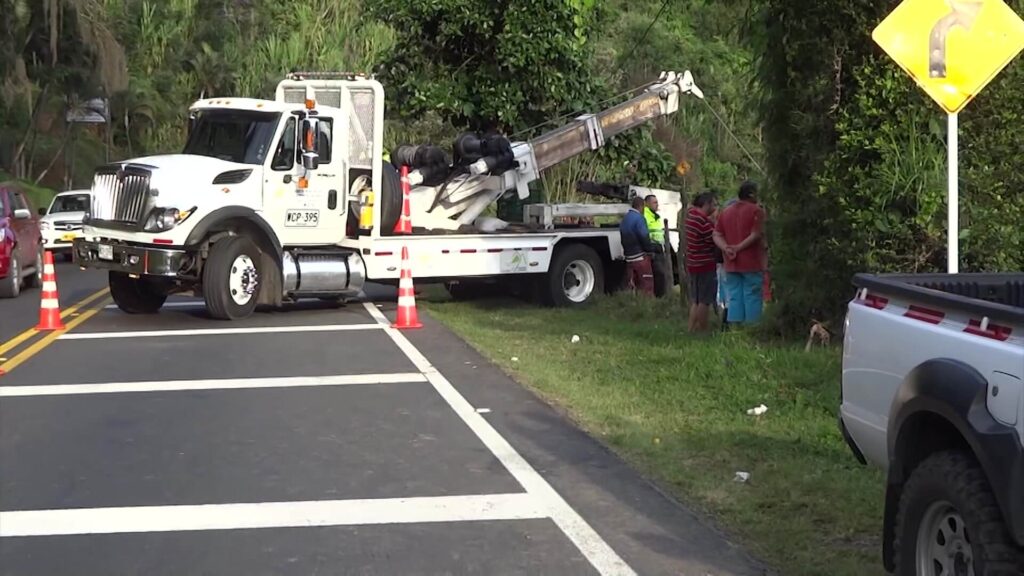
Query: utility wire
pixel 636 44
pixel 648 30
pixel 734 137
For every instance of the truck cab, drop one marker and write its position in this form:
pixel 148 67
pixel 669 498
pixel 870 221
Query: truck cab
pixel 270 178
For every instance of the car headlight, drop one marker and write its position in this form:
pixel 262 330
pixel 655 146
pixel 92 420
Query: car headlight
pixel 163 219
pixel 45 226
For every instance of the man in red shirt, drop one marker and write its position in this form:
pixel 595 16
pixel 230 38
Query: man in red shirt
pixel 700 259
pixel 739 233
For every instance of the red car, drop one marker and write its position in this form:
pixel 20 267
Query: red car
pixel 21 245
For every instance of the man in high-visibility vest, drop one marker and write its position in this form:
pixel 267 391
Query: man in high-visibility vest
pixel 656 226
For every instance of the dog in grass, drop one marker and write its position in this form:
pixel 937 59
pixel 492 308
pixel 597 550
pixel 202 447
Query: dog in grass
pixel 819 332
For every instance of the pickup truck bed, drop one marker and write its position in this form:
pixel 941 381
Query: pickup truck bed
pixel 933 365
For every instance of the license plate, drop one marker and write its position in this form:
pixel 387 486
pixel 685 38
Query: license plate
pixel 106 252
pixel 68 237
pixel 302 218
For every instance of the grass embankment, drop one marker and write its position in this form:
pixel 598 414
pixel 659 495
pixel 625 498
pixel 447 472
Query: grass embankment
pixel 675 406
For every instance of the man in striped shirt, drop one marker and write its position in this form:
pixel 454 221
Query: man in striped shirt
pixel 700 259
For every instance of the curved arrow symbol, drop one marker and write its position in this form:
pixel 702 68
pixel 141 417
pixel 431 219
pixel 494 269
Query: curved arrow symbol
pixel 963 14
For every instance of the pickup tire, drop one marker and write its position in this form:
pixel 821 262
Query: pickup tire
pixel 575 275
pixel 948 516
pixel 36 279
pixel 231 278
pixel 135 295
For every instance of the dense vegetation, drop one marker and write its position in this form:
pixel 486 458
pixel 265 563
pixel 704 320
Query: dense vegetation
pixel 854 153
pixel 857 156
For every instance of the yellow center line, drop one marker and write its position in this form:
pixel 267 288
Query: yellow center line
pixel 42 343
pixel 70 311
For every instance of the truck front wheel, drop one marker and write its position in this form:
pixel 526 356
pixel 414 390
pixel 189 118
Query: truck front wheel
pixel 576 272
pixel 949 522
pixel 135 295
pixel 231 278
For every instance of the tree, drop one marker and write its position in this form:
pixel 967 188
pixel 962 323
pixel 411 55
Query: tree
pixel 52 50
pixel 856 154
pixel 502 65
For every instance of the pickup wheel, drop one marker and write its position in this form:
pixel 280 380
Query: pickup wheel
pixel 231 278
pixel 949 522
pixel 576 273
pixel 135 295
pixel 10 287
pixel 36 279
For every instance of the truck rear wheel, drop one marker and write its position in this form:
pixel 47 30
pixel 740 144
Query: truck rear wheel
pixel 576 273
pixel 231 278
pixel 949 522
pixel 135 295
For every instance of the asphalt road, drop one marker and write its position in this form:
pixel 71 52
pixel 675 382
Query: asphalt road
pixel 309 440
pixel 73 285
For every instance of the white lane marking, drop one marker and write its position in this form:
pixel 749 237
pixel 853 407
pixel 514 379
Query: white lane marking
pixel 218 331
pixel 587 540
pixel 216 384
pixel 270 515
pixel 190 304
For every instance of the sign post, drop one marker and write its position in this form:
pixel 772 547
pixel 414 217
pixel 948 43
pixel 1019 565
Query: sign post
pixel 953 205
pixel 952 49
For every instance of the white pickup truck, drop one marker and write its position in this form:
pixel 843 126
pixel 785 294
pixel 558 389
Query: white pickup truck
pixel 933 393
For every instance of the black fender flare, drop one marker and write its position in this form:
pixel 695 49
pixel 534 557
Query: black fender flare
pixel 957 393
pixel 269 244
pixel 219 215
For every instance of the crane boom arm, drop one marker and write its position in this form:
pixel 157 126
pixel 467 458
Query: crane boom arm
pixel 590 132
pixel 486 167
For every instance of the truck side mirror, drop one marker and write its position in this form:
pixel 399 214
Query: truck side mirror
pixel 310 143
pixel 41 211
pixel 310 132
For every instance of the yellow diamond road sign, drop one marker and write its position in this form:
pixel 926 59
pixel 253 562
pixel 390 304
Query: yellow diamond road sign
pixel 952 48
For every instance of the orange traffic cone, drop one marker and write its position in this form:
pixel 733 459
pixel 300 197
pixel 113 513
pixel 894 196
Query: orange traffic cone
pixel 404 224
pixel 49 307
pixel 407 317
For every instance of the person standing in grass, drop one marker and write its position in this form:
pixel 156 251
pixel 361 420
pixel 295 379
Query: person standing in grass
pixel 723 299
pixel 739 233
pixel 656 227
pixel 637 248
pixel 700 260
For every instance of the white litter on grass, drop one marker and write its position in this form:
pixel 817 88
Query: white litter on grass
pixel 757 411
pixel 483 410
pixel 515 358
pixel 741 477
pixel 575 339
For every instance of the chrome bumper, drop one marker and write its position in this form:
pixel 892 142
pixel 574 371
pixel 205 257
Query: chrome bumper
pixel 133 259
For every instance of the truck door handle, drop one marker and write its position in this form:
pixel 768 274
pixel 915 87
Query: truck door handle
pixel 332 199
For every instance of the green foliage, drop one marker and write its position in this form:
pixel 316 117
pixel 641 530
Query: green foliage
pixel 488 65
pixel 857 156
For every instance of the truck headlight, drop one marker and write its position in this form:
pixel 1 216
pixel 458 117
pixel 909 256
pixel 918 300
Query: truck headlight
pixel 163 219
pixel 45 226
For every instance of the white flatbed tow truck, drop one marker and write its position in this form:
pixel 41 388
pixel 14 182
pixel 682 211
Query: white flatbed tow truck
pixel 277 200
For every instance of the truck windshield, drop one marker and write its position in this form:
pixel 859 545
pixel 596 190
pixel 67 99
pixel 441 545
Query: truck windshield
pixel 233 135
pixel 75 203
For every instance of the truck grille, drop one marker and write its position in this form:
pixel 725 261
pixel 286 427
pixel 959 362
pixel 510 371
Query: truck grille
pixel 121 194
